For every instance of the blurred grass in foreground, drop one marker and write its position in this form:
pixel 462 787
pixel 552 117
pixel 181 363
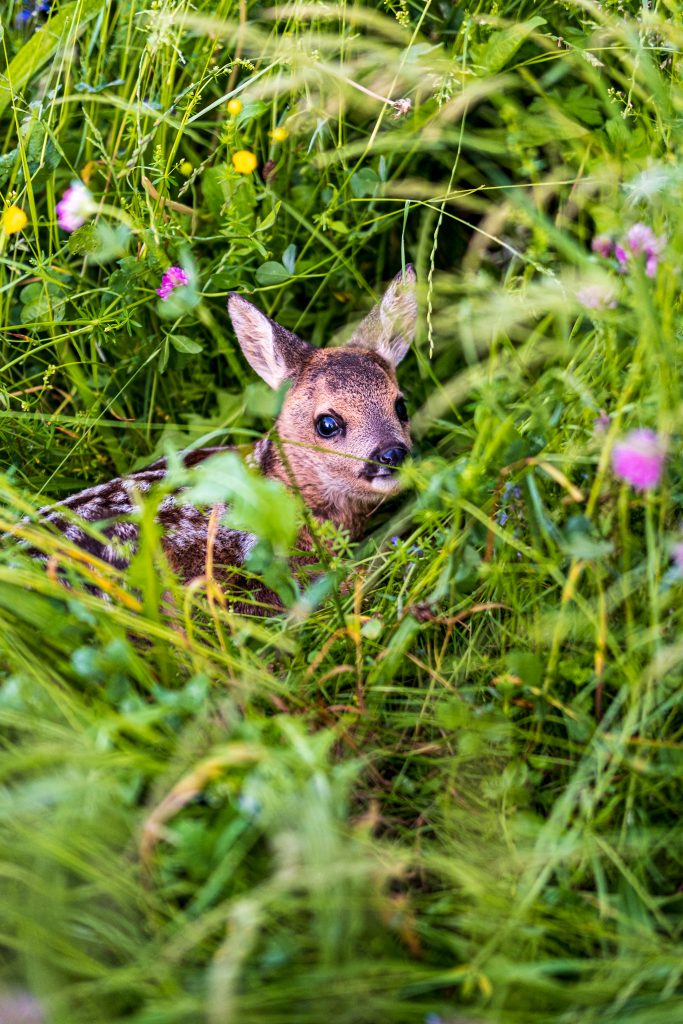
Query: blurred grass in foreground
pixel 454 793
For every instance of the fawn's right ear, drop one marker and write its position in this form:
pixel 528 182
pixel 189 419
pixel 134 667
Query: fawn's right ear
pixel 274 352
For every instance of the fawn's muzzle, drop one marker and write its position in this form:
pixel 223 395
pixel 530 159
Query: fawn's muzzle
pixel 385 461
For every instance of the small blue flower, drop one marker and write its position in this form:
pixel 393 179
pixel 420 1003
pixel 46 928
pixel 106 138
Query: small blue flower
pixel 395 541
pixel 502 517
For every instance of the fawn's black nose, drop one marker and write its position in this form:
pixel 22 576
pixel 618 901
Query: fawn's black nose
pixel 393 456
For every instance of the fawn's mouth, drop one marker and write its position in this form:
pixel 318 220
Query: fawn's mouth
pixel 381 478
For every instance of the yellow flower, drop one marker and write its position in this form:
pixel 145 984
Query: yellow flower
pixel 279 134
pixel 86 173
pixel 186 168
pixel 244 162
pixel 234 107
pixel 13 219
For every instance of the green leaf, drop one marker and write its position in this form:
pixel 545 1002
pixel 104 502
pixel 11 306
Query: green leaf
pixel 163 358
pixel 182 343
pixel 111 243
pixel 216 189
pixel 7 163
pixel 501 47
pixel 525 665
pixel 289 258
pixel 272 273
pixel 83 241
pixel 364 182
pixel 67 24
pixel 132 271
pixel 257 504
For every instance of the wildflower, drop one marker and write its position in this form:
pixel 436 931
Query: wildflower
pixel 20 1008
pixel 75 206
pixel 185 167
pixel 33 11
pixel 172 278
pixel 597 296
pixel 677 555
pixel 602 245
pixel 641 240
pixel 235 107
pixel 13 219
pixel 601 423
pixel 639 459
pixel 395 540
pixel 402 107
pixel 621 255
pixel 244 162
pixel 511 491
pixel 279 134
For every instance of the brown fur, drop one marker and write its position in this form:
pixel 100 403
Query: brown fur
pixel 339 477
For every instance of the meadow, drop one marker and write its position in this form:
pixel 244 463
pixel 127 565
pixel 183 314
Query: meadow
pixel 444 785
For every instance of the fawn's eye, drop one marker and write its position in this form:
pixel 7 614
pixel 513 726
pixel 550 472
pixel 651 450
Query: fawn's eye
pixel 327 426
pixel 401 409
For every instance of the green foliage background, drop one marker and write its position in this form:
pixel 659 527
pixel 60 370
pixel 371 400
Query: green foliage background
pixel 449 790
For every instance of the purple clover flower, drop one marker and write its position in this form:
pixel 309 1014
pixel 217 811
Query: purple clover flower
pixel 172 278
pixel 75 207
pixel 639 459
pixel 602 245
pixel 641 240
pixel 621 255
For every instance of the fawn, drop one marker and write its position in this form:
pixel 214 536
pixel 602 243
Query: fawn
pixel 343 431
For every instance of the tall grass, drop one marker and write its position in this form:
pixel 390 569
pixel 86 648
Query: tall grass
pixel 448 789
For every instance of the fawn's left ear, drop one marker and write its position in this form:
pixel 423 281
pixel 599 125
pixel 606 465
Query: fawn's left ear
pixel 273 351
pixel 389 327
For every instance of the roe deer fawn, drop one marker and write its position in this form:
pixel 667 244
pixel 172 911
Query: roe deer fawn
pixel 343 428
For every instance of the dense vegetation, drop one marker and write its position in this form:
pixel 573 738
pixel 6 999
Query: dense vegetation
pixel 446 784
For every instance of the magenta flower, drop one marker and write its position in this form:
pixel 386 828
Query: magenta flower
pixel 639 459
pixel 172 278
pixel 621 255
pixel 602 245
pixel 75 207
pixel 641 240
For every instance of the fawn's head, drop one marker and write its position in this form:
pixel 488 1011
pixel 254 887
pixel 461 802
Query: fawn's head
pixel 343 423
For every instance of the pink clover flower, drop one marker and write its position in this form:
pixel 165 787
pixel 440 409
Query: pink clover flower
pixel 639 459
pixel 172 278
pixel 75 207
pixel 602 245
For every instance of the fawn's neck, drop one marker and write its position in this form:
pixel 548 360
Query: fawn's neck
pixel 324 504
